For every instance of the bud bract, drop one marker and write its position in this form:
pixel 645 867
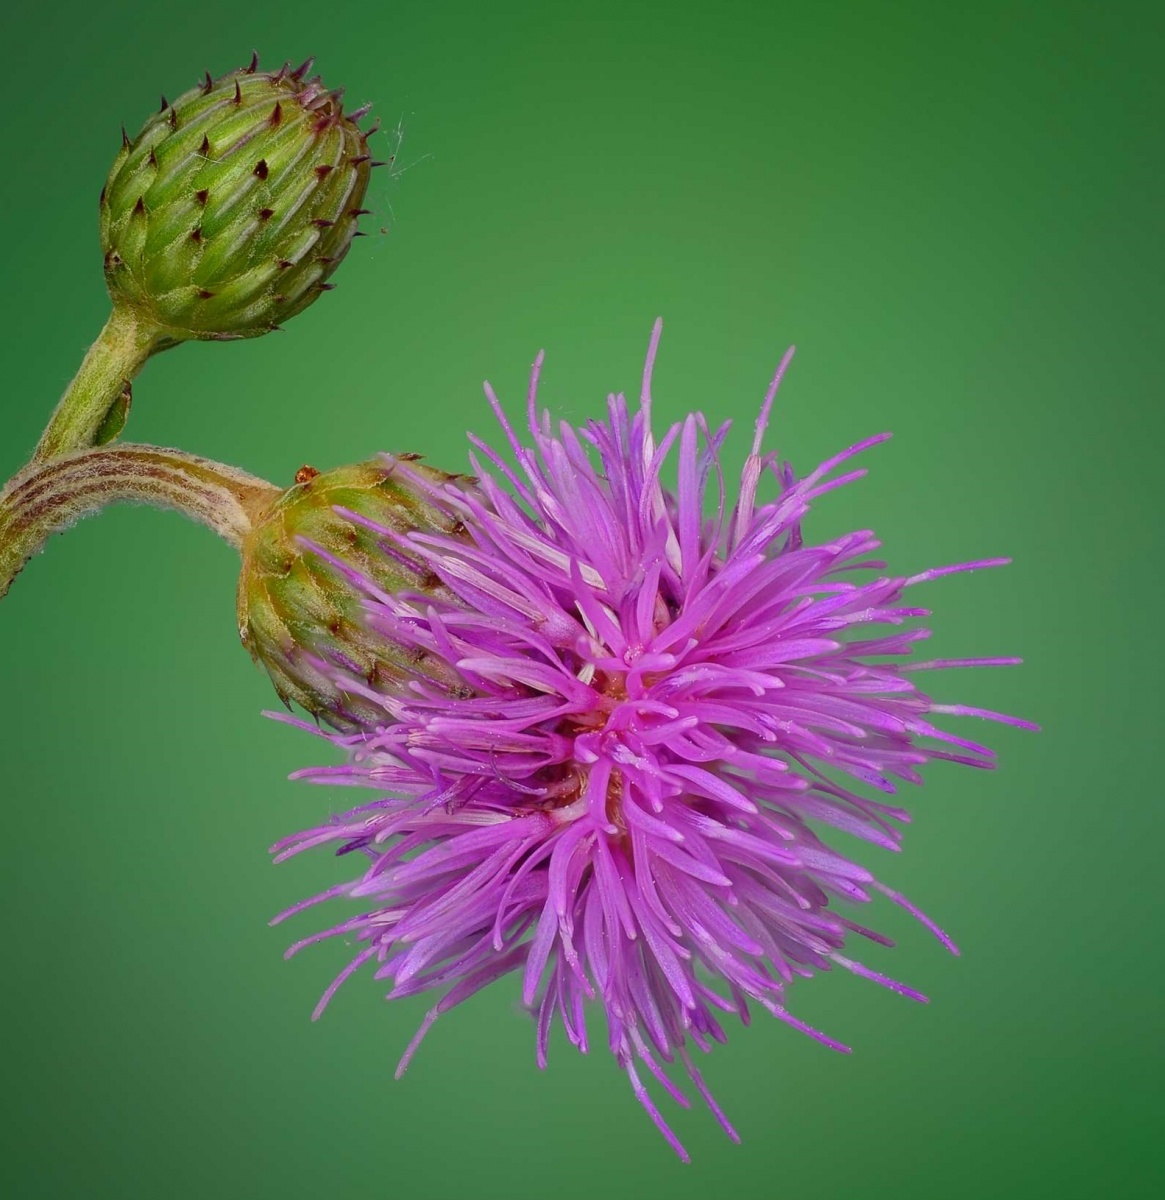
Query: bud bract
pixel 233 205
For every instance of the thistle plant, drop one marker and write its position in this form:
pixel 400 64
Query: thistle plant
pixel 609 709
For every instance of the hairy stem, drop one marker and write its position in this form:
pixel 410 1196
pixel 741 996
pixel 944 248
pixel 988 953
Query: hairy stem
pixel 101 387
pixel 48 497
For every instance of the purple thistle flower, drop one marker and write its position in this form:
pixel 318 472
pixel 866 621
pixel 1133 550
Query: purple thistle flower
pixel 658 707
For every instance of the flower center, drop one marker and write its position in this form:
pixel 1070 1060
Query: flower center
pixel 566 782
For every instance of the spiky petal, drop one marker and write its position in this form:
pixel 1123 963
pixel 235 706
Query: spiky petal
pixel 668 711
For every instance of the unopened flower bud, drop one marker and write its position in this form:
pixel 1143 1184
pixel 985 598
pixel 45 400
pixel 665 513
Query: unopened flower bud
pixel 310 565
pixel 231 208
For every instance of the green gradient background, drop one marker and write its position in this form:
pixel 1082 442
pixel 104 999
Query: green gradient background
pixel 956 217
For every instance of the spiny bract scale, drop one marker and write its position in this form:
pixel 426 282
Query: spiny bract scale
pixel 228 212
pixel 298 608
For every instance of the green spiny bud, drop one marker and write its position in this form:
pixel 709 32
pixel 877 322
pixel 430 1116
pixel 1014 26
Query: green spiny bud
pixel 232 207
pixel 299 599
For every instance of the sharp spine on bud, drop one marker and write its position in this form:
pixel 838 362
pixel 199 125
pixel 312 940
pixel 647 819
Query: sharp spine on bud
pixel 238 93
pixel 362 111
pixel 265 214
pixel 204 149
pixel 202 196
pixel 165 104
pixel 324 170
pixel 261 168
pixel 207 84
pixel 379 162
pixel 254 64
pixel 276 114
pixel 303 68
pixel 125 142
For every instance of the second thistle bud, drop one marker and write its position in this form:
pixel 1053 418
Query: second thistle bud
pixel 308 566
pixel 231 208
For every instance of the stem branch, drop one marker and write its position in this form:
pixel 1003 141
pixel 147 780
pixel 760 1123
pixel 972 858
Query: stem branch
pixel 103 379
pixel 48 497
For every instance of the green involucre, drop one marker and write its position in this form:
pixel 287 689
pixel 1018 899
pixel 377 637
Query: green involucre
pixel 231 208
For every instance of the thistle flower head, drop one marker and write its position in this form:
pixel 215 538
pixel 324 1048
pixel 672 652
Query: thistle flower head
pixel 668 697
pixel 234 204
